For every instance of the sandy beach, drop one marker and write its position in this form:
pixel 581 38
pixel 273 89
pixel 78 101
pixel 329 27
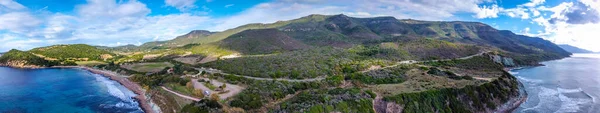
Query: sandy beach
pixel 137 89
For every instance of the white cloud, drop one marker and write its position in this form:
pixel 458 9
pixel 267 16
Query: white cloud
pixel 488 12
pixel 517 13
pixel 534 3
pixel 182 5
pixel 112 9
pixel 19 22
pixel 10 5
pixel 402 9
pixel 98 22
pixel 229 5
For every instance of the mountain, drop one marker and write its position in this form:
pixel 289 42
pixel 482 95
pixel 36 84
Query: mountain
pixel 574 49
pixel 345 32
pixel 262 41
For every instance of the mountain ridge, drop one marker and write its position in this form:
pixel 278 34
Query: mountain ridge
pixel 574 49
pixel 345 32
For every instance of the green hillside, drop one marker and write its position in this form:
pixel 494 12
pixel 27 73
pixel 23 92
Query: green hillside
pixel 25 58
pixel 345 32
pixel 75 51
pixel 255 42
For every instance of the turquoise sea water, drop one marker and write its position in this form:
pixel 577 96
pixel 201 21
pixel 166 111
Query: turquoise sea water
pixel 566 85
pixel 62 91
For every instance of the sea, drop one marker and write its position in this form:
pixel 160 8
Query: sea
pixel 569 85
pixel 62 90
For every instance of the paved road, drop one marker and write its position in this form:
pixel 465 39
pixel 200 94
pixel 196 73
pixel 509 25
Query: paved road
pixel 180 95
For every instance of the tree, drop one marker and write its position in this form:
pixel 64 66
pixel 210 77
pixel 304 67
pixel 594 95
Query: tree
pixel 189 85
pixel 199 93
pixel 214 97
pixel 223 86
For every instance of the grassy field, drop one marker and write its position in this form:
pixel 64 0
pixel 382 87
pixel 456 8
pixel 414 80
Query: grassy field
pixel 89 63
pixel 147 67
pixel 419 80
pixel 179 88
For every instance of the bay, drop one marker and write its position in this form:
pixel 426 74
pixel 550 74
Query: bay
pixel 62 90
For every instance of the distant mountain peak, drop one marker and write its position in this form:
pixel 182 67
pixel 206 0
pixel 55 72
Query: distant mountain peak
pixel 574 49
pixel 199 32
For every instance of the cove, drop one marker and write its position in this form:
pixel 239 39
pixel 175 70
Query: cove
pixel 63 90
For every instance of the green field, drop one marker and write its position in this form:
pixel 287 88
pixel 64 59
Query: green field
pixel 90 63
pixel 147 67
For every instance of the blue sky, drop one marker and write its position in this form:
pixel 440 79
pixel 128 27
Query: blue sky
pixel 26 24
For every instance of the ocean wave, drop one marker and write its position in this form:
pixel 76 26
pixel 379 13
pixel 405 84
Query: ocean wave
pixel 111 88
pixel 534 81
pixel 555 100
pixel 116 90
pixel 572 104
pixel 513 72
pixel 562 90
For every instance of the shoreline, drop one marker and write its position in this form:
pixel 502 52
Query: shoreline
pixel 134 87
pixel 514 103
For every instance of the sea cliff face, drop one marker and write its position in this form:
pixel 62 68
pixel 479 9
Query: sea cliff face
pixel 19 64
pixel 500 95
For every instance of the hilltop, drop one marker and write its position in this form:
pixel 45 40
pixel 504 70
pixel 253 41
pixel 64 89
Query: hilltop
pixel 574 49
pixel 72 52
pixel 22 59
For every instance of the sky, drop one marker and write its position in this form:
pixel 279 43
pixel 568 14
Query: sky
pixel 26 24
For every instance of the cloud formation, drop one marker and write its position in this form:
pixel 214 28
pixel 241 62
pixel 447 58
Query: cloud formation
pixel 98 22
pixel 182 5
pixel 121 22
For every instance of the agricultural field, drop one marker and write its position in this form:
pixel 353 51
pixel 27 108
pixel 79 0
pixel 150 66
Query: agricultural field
pixel 147 67
pixel 90 63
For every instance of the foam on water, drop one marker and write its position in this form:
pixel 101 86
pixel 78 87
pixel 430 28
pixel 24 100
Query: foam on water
pixel 111 87
pixel 513 72
pixel 115 89
pixel 554 99
pixel 533 81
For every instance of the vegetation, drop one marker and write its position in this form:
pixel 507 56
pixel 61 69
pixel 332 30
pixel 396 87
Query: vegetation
pixel 324 101
pixel 148 67
pixel 26 58
pixel 476 63
pixel 297 64
pixel 262 41
pixel 203 106
pixel 154 80
pixel 73 52
pixel 260 92
pixel 464 100
pixel 390 75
